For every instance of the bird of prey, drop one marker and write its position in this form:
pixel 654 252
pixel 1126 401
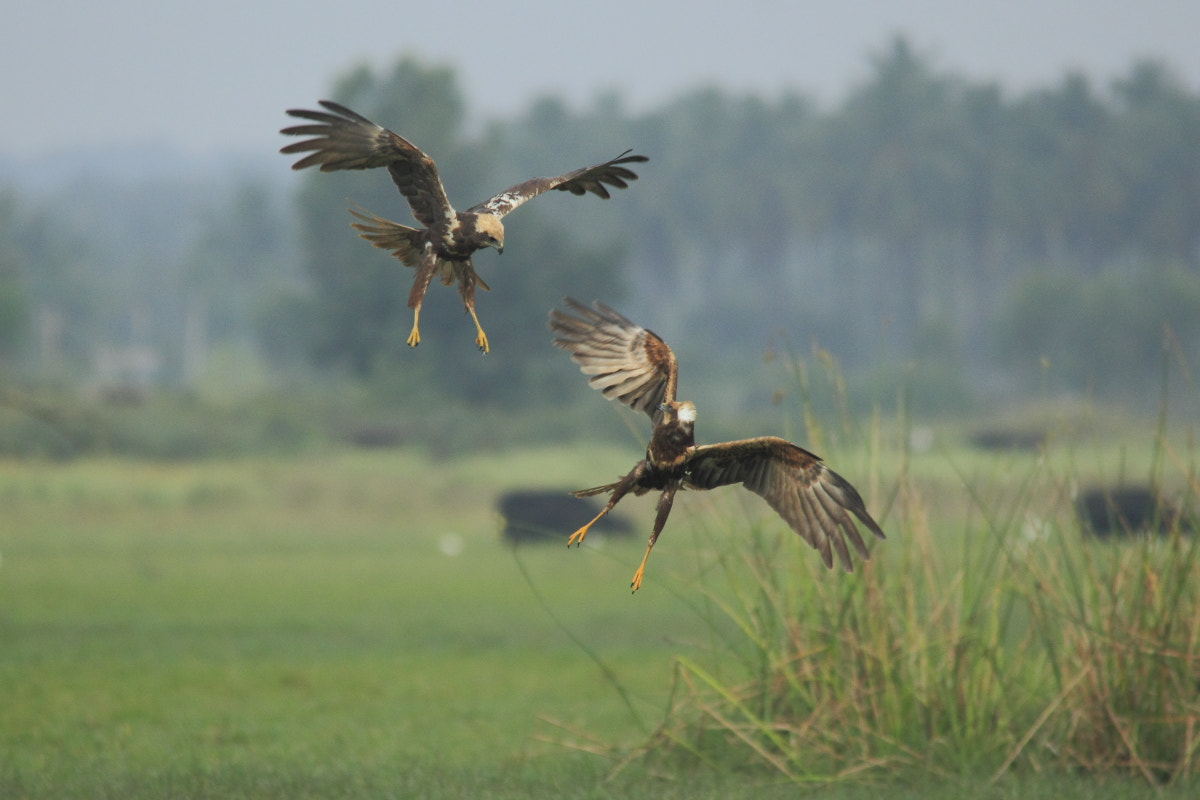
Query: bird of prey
pixel 632 365
pixel 444 243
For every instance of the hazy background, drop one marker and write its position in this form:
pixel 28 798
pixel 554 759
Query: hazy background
pixel 985 207
pixel 213 79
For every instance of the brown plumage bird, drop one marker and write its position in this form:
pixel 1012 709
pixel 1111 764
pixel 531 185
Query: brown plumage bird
pixel 632 365
pixel 444 244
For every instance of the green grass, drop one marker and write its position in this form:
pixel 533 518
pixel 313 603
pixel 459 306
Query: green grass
pixel 296 628
pixel 986 638
pixel 228 623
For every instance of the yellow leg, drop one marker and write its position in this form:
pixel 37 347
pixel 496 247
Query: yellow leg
pixel 636 583
pixel 665 500
pixel 617 490
pixel 481 338
pixel 577 536
pixel 414 338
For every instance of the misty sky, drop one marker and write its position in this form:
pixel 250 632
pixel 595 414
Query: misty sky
pixel 218 75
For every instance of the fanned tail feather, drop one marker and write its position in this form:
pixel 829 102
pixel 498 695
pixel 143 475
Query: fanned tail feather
pixel 595 490
pixel 403 242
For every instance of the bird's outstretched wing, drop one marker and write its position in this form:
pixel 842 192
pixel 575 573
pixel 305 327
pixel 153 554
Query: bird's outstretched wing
pixel 346 140
pixel 579 182
pixel 813 499
pixel 626 362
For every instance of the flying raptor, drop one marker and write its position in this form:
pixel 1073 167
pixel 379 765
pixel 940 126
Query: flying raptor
pixel 632 365
pixel 444 243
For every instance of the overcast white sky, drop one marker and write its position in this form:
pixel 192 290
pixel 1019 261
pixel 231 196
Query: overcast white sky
pixel 218 75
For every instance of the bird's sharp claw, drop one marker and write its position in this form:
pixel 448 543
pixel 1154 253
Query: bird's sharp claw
pixel 636 583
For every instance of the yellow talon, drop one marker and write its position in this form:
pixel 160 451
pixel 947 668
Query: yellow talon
pixel 414 338
pixel 480 337
pixel 636 583
pixel 578 535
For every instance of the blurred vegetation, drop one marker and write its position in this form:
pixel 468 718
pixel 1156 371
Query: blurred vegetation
pixel 983 245
pixel 989 635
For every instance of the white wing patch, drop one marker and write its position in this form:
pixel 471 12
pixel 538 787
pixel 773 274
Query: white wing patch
pixel 505 202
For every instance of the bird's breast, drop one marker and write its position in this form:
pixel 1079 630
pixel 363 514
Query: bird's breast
pixel 449 241
pixel 656 478
pixel 669 446
pixel 454 247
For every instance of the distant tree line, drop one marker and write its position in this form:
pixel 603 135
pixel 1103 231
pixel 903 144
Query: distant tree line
pixel 924 219
pixel 924 222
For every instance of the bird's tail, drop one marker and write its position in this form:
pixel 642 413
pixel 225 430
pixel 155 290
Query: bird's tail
pixel 623 486
pixel 606 489
pixel 404 243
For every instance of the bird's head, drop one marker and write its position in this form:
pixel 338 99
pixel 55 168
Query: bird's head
pixel 489 232
pixel 682 413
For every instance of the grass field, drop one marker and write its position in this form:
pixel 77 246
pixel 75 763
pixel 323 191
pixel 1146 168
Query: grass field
pixel 350 625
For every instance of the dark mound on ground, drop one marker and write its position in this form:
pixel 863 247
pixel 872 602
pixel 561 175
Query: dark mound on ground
pixel 551 515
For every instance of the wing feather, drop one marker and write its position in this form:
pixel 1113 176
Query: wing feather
pixel 815 501
pixel 344 139
pixel 578 182
pixel 626 362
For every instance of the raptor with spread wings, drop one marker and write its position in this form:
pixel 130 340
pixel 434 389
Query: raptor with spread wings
pixel 443 245
pixel 632 365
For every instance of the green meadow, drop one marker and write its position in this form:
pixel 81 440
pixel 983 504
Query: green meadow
pixel 350 624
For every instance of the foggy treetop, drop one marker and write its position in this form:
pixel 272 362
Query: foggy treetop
pixel 925 219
